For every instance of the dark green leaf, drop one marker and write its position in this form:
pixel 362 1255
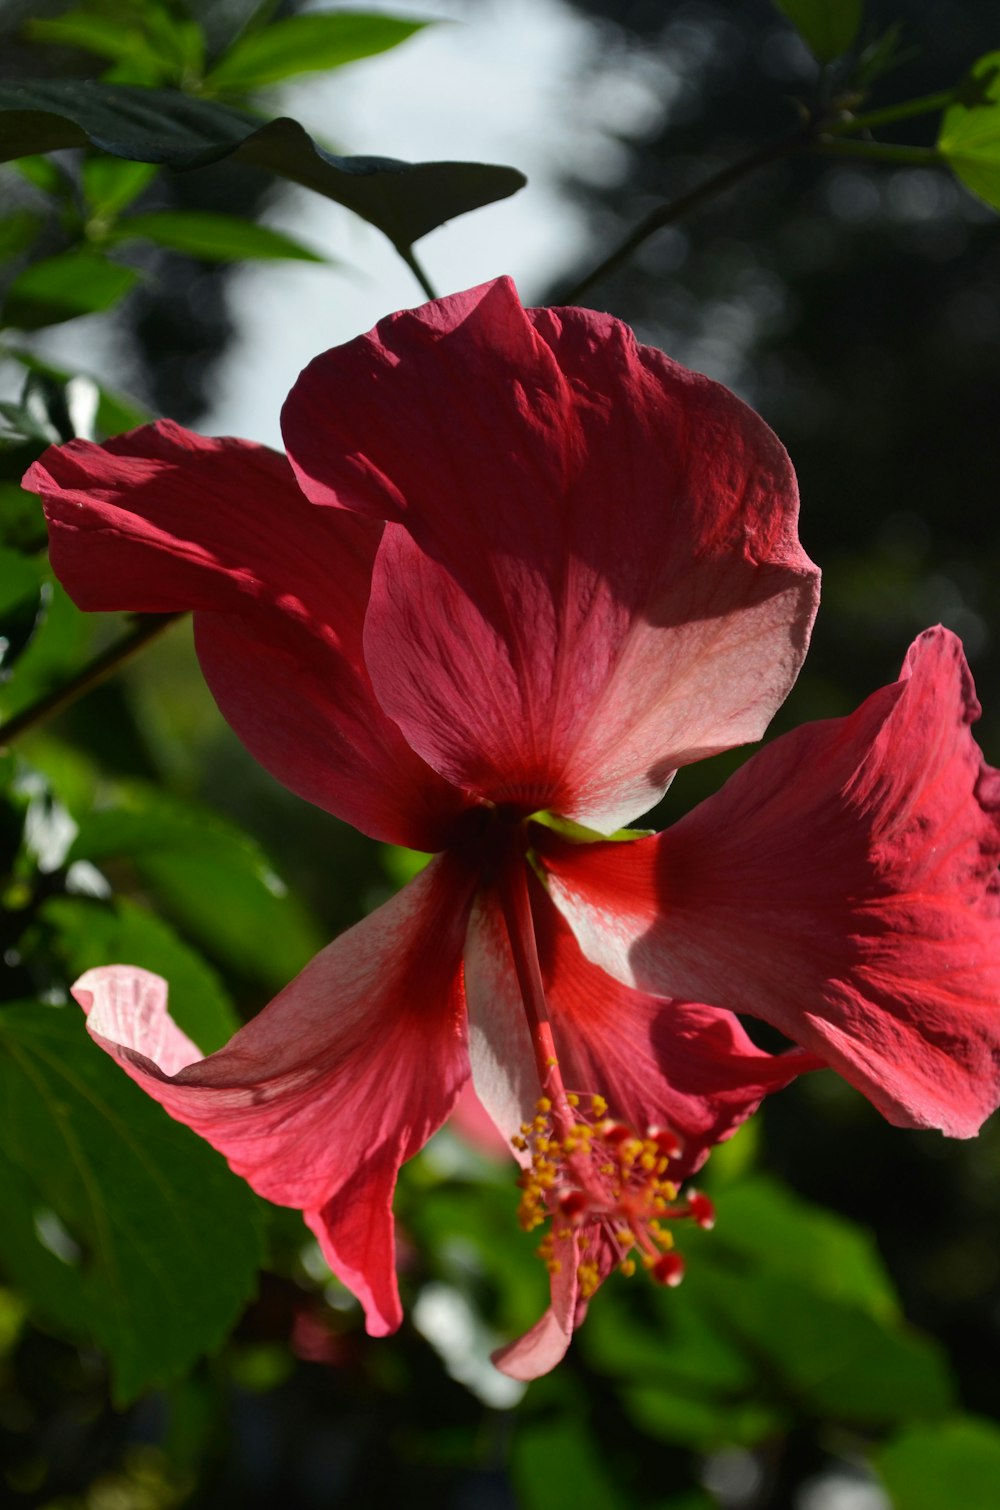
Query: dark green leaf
pixel 86 933
pixel 763 1221
pixel 970 131
pixel 57 646
pixel 556 1465
pixel 828 26
pixel 61 288
pixel 157 1241
pixel 302 44
pixel 404 200
pixel 956 1463
pixel 208 877
pixel 17 232
pixel 22 524
pixel 834 1359
pixel 214 238
pixel 21 606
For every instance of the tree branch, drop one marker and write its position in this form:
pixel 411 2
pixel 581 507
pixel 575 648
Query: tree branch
pixel 666 214
pixel 147 627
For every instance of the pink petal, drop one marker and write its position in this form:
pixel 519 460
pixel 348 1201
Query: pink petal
pixel 842 886
pixel 599 578
pixel 319 1099
pixel 539 1350
pixel 658 1063
pixel 500 1050
pixel 163 519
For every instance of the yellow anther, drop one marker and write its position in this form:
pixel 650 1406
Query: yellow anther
pixel 627 1267
pixel 626 1237
pixel 648 1161
pixel 519 1143
pixel 552 1063
pixel 572 1100
pixel 543 1104
pixel 598 1105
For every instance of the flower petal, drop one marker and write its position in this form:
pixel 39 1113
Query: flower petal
pixel 841 886
pixel 500 1050
pixel 544 1345
pixel 319 1099
pixel 163 519
pixel 599 578
pixel 666 1063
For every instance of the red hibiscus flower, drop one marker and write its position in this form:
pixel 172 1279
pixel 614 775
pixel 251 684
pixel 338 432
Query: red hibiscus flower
pixel 515 572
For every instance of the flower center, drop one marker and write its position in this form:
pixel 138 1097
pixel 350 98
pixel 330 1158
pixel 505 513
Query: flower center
pixel 599 1181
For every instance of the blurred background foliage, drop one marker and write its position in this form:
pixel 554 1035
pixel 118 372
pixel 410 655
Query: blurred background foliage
pixel 168 1339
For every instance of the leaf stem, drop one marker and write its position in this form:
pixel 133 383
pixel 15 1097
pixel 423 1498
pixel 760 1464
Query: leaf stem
pixel 926 105
pixel 409 256
pixel 147 627
pixel 881 152
pixel 665 214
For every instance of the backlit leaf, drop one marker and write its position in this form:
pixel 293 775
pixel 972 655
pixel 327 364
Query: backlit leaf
pixel 214 238
pixel 970 131
pixel 78 282
pixel 302 44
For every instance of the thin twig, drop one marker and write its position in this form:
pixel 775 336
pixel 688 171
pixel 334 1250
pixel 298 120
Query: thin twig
pixel 148 626
pixel 928 104
pixel 880 152
pixel 666 214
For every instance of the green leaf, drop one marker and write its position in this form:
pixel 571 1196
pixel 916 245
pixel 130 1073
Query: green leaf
pixel 149 43
pixel 785 1312
pixel 79 282
pixel 828 26
pixel 110 184
pixel 156 1241
pixel 17 232
pixel 214 238
pixel 302 44
pixel 970 131
pixel 56 648
pixel 22 523
pixel 86 933
pixel 955 1462
pixel 764 1222
pixel 21 606
pixel 835 1360
pixel 92 33
pixel 404 200
pixel 556 1465
pixel 209 877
